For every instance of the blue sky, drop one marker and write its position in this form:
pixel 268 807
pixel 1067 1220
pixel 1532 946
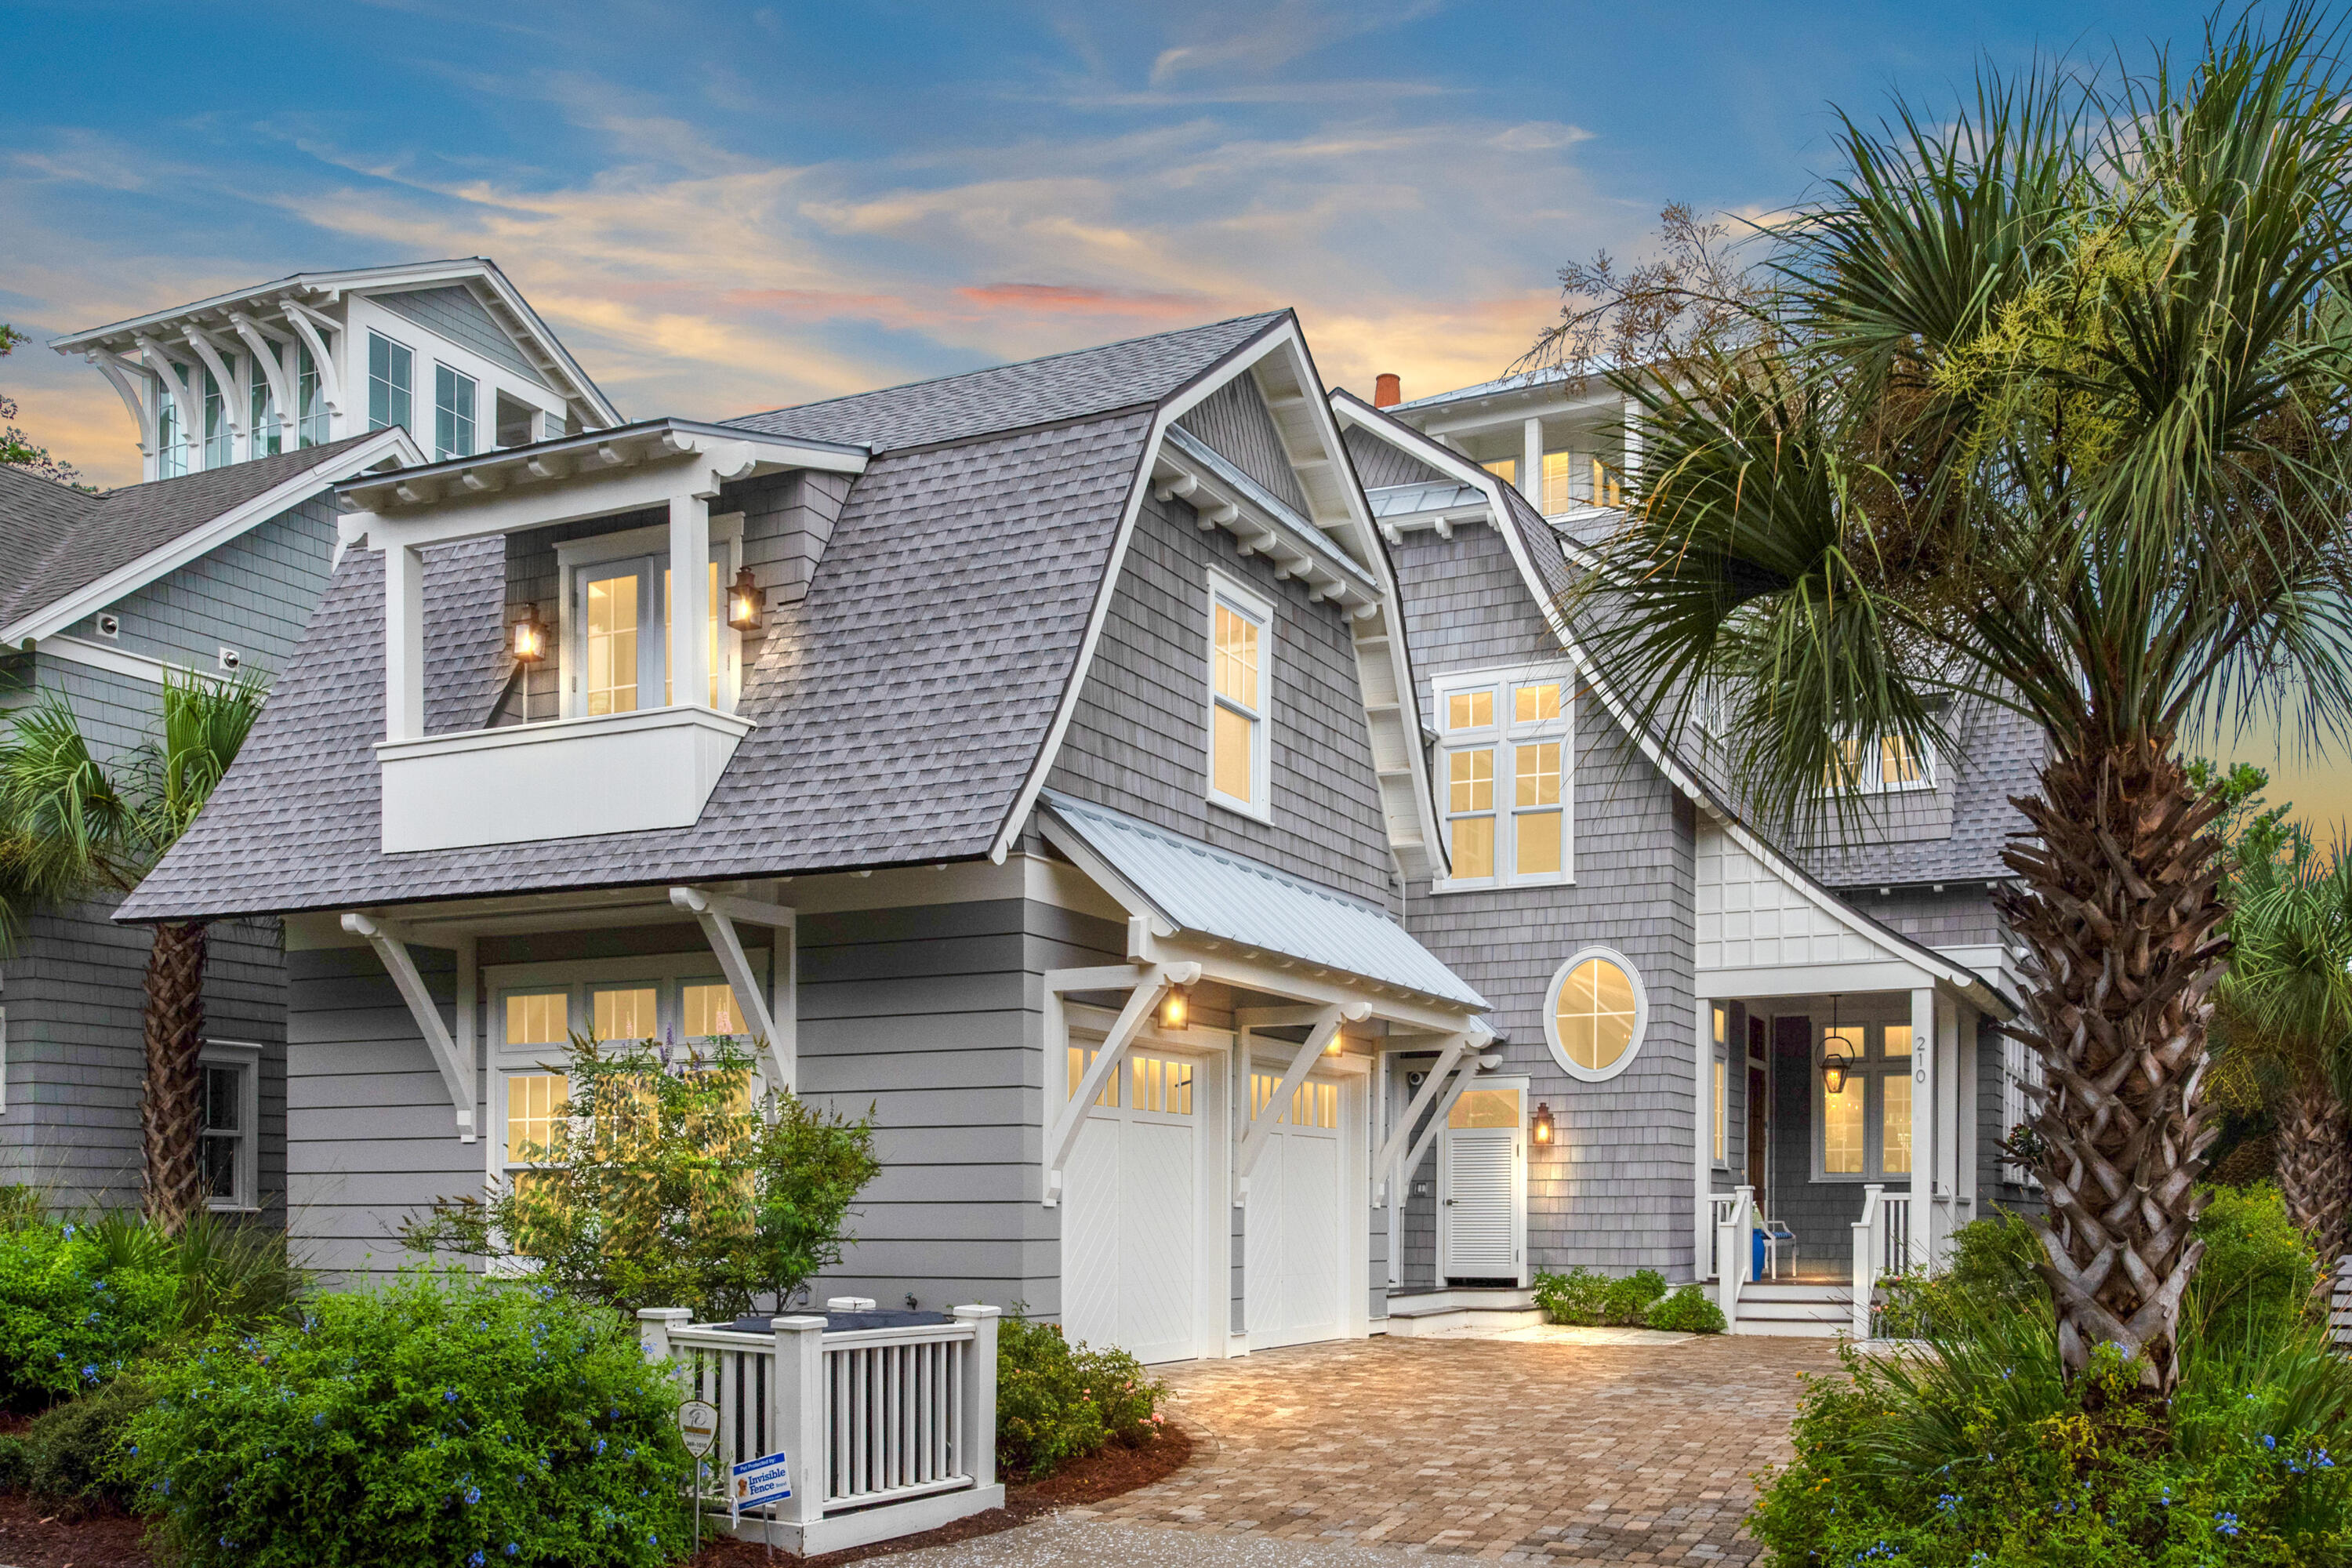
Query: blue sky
pixel 728 207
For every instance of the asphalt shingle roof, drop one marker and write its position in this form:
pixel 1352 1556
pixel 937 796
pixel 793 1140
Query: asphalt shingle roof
pixel 55 540
pixel 1075 385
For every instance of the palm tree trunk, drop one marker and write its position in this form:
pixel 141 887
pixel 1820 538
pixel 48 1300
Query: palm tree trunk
pixel 2315 1167
pixel 171 1111
pixel 2119 909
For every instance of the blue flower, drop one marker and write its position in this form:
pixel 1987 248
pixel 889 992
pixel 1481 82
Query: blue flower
pixel 89 1374
pixel 448 1396
pixel 2227 1523
pixel 1949 1502
pixel 2269 1441
pixel 512 1549
pixel 473 1496
pixel 318 1420
pixel 475 1560
pixel 599 1447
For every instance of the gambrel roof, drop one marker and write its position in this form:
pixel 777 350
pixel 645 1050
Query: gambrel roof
pixel 906 709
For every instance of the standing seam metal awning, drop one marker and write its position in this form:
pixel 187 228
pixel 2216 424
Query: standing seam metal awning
pixel 1215 893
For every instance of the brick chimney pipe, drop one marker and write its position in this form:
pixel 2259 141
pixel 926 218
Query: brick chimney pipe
pixel 1387 390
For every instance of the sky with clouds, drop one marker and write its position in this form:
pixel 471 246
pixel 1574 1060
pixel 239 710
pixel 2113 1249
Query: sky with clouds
pixel 722 208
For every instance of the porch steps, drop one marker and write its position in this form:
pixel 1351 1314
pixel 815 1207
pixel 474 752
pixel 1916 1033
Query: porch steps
pixel 1819 1309
pixel 1459 1311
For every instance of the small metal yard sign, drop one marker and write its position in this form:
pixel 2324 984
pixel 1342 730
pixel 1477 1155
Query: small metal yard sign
pixel 698 1423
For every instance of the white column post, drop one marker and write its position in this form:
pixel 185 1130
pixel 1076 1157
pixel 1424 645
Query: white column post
pixel 1950 1111
pixel 1531 463
pixel 404 643
pixel 1965 1068
pixel 1923 1123
pixel 689 600
pixel 1701 1162
pixel 653 1327
pixel 979 1392
pixel 797 1420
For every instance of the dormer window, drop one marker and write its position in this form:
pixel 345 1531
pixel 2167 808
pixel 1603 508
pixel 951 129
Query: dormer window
pixel 617 614
pixel 453 414
pixel 1890 765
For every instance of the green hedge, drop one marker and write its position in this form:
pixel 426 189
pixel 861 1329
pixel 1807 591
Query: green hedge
pixel 1056 1402
pixel 439 1420
pixel 1638 1299
pixel 72 1315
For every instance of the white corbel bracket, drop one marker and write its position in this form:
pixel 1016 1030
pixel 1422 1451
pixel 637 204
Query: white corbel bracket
pixel 717 914
pixel 1384 1163
pixel 454 1055
pixel 1261 1128
pixel 1150 983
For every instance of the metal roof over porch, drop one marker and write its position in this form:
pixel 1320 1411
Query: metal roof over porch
pixel 1211 892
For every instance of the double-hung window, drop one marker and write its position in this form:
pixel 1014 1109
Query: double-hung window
pixel 230 1076
pixel 392 368
pixel 618 608
pixel 453 413
pixel 1241 696
pixel 1503 779
pixel 1865 1126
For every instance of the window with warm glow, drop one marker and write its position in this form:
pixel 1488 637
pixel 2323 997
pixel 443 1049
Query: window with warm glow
pixel 1504 469
pixel 709 1011
pixel 1502 778
pixel 538 1019
pixel 1485 1107
pixel 1867 1125
pixel 1240 691
pixel 1596 1017
pixel 624 1013
pixel 612 643
pixel 534 1102
pixel 1558 473
pixel 1892 764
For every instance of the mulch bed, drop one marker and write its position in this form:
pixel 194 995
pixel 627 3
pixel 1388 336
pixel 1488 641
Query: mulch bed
pixel 1114 1470
pixel 37 1535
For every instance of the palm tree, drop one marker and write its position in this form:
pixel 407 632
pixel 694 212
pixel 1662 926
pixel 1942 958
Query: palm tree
pixel 2045 411
pixel 2283 1019
pixel 73 829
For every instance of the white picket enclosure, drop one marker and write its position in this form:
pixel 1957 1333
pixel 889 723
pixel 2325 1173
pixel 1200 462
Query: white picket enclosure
pixel 1882 1246
pixel 887 1431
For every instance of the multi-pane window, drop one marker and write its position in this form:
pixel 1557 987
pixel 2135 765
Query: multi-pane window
pixel 1596 1017
pixel 1892 763
pixel 1504 469
pixel 1240 636
pixel 1559 482
pixel 610 632
pixel 390 375
pixel 620 645
pixel 311 394
pixel 453 413
pixel 1503 777
pixel 171 453
pixel 228 1091
pixel 217 451
pixel 267 437
pixel 709 1011
pixel 624 1012
pixel 1866 1123
pixel 1315 1103
pixel 1154 1083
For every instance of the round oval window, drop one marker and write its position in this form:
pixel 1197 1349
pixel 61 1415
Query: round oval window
pixel 1597 1014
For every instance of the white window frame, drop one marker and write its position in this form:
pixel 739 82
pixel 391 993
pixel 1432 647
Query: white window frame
pixel 244 1058
pixel 1503 737
pixel 1869 774
pixel 472 421
pixel 1568 1063
pixel 669 973
pixel 1874 1067
pixel 1720 1026
pixel 367 371
pixel 650 546
pixel 1258 610
pixel 2020 1067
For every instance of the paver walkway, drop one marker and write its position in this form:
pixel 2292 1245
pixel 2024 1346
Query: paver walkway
pixel 1516 1451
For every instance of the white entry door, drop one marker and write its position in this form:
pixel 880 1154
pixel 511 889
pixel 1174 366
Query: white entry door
pixel 1131 1210
pixel 1296 1220
pixel 1482 1187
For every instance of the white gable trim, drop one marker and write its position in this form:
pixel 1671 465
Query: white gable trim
pixel 1402 715
pixel 56 616
pixel 1355 411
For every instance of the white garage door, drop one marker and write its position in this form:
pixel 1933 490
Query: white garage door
pixel 1295 1285
pixel 1131 1211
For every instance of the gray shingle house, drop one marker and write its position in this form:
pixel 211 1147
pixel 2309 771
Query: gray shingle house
pixel 249 409
pixel 1077 762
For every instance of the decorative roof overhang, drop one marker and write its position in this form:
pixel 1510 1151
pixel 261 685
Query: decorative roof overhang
pixel 1222 495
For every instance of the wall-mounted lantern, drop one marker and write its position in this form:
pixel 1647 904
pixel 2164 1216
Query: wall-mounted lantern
pixel 744 603
pixel 527 640
pixel 1543 1125
pixel 1177 1011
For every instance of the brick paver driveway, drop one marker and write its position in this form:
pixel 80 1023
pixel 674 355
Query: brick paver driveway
pixel 1501 1449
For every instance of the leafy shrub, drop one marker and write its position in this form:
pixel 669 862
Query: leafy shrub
pixel 2258 1273
pixel 75 1453
pixel 443 1421
pixel 1992 1269
pixel 1573 1297
pixel 71 1317
pixel 1627 1300
pixel 667 1187
pixel 1687 1311
pixel 1056 1402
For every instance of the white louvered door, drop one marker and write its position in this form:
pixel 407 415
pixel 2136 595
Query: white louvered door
pixel 1482 1190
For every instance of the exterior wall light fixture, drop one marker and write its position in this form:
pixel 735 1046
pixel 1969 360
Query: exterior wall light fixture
pixel 1177 1011
pixel 744 603
pixel 529 637
pixel 1543 1124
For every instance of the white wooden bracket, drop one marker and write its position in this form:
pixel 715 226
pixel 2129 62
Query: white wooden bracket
pixel 1326 1023
pixel 1384 1163
pixel 1151 982
pixel 1462 1077
pixel 775 1033
pixel 452 1053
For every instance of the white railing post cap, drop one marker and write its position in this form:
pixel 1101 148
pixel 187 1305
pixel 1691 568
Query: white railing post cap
pixel 977 1311
pixel 665 1314
pixel 801 1325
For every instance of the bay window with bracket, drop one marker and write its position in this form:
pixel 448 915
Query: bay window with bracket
pixel 1241 697
pixel 1864 1122
pixel 1505 777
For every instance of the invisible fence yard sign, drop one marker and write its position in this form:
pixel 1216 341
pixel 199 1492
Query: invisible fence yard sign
pixel 759 1480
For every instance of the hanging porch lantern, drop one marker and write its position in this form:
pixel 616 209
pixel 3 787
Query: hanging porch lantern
pixel 528 639
pixel 1836 1063
pixel 1543 1124
pixel 744 603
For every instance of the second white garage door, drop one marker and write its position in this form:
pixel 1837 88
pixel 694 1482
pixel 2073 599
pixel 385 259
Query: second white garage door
pixel 1297 1252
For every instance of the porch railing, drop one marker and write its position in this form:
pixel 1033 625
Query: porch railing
pixel 1735 1255
pixel 1719 1206
pixel 887 1431
pixel 1882 1246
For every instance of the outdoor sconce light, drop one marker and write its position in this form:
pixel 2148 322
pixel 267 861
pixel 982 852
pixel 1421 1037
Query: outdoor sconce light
pixel 1177 1011
pixel 1543 1121
pixel 529 637
pixel 1835 1068
pixel 744 602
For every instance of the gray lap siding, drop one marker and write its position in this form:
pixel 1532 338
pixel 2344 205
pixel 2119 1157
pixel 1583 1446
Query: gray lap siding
pixel 1614 1190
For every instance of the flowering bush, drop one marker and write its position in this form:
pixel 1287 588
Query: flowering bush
pixel 440 1421
pixel 1056 1402
pixel 71 1315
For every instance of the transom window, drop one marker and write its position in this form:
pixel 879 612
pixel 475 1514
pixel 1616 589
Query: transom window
pixel 1315 1103
pixel 1241 685
pixel 1598 1017
pixel 1503 777
pixel 1162 1085
pixel 1866 1127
